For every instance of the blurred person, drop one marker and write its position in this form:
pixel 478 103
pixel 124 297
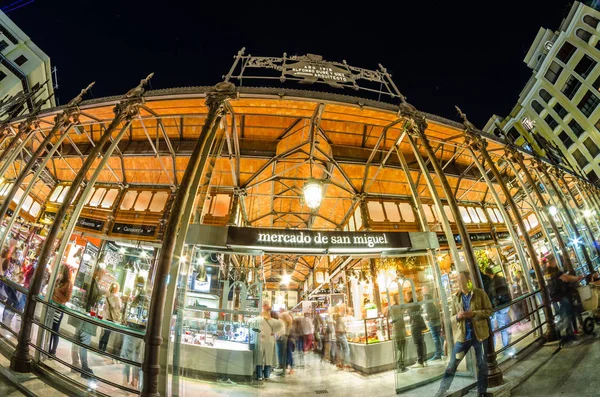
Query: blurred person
pixel 61 295
pixel 470 312
pixel 396 313
pixel 308 330
pixel 329 340
pixel 434 323
pixel 283 353
pixel 112 313
pixel 501 298
pixel 343 349
pixel 417 326
pixel 269 327
pixel 557 284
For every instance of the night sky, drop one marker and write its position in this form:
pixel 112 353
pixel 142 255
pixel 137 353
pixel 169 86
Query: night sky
pixel 440 53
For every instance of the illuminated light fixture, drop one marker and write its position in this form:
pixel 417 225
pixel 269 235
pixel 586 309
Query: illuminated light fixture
pixel 553 211
pixel 285 279
pixel 588 213
pixel 87 257
pixel 576 241
pixel 313 193
pixel 320 278
pixel 121 250
pixel 144 254
pixel 183 259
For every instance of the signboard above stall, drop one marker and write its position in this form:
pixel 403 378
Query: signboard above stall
pixel 308 241
pixel 474 237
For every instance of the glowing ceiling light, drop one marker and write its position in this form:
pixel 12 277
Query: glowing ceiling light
pixel 285 279
pixel 588 213
pixel 313 193
pixel 553 211
pixel 121 250
pixel 576 241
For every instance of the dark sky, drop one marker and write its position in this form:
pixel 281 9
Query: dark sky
pixel 440 53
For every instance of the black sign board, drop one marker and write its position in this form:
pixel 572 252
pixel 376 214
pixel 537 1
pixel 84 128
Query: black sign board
pixel 91 224
pixel 537 236
pixel 307 240
pixel 503 235
pixel 134 230
pixel 472 236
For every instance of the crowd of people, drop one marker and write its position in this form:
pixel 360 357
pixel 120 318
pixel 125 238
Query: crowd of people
pixel 283 340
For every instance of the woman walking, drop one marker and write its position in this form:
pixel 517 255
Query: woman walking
pixel 112 312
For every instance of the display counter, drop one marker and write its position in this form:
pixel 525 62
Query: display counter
pixel 372 349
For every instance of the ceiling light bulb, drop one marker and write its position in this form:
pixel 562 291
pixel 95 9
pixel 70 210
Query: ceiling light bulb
pixel 313 193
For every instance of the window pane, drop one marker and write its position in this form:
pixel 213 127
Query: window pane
pixel 591 147
pixel 97 196
pixel 64 192
pixel 553 72
pixel 576 127
pixel 545 95
pixel 375 211
pixel 580 158
pixel 537 107
pixel 159 201
pixel 35 209
pixel 473 215
pixel 592 176
pixel 481 214
pixel 128 200
pixel 533 220
pixel 449 213
pixel 56 193
pixel 560 110
pixel 566 139
pixel 141 204
pixel 464 214
pixel 584 35
pixel 391 210
pixel 358 217
pixel 429 214
pixel 585 66
pixel 591 21
pixel 109 198
pixel 566 52
pixel 551 122
pixel 588 103
pixel 492 215
pixel 351 226
pixel 499 215
pixel 27 203
pixel 221 206
pixel 407 212
pixel 571 86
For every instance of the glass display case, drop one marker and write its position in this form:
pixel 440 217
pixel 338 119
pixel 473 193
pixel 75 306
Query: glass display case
pixel 199 328
pixel 368 331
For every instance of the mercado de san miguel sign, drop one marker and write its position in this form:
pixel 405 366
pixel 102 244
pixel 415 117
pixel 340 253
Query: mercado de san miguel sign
pixel 307 240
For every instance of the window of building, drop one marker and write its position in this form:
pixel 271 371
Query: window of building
pixel 580 158
pixel 358 217
pixel 560 110
pixel 464 215
pixel 391 211
pixel 221 205
pixel 376 211
pixel 499 215
pixel 473 215
pixel 96 197
pixel 109 198
pixel 537 107
pixel 596 83
pixel 545 95
pixel 20 60
pixel 571 86
pixel 2 75
pixel 513 133
pixel 159 201
pixel 429 215
pixel 553 72
pixel 585 66
pixel 566 52
pixel 551 122
pixel 35 209
pixel 590 21
pixel 407 212
pixel 588 103
pixel 3 45
pixel 566 139
pixel 584 35
pixel 448 213
pixel 576 128
pixel 592 176
pixel 128 200
pixel 492 215
pixel 591 147
pixel 63 194
pixel 481 214
pixel 143 200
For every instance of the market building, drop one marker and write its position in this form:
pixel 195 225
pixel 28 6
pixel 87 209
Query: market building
pixel 557 112
pixel 168 218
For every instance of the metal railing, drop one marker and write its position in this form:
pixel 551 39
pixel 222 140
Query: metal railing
pixel 532 314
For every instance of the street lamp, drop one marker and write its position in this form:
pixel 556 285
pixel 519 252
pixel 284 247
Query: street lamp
pixel 313 193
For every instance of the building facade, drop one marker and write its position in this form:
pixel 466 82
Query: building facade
pixel 25 70
pixel 557 113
